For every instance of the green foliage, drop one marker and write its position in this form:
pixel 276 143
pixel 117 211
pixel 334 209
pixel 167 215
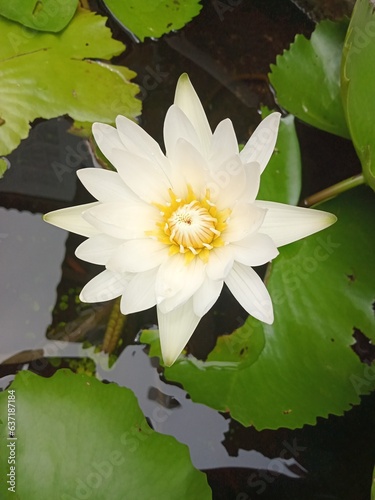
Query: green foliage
pixel 48 75
pixel 301 367
pixel 281 180
pixel 44 15
pixel 80 438
pixel 357 80
pixel 153 18
pixel 307 78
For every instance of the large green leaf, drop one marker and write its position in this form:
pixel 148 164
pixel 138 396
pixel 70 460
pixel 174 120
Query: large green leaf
pixel 47 75
pixel 153 18
pixel 80 438
pixel 301 367
pixel 357 80
pixel 281 180
pixel 44 15
pixel 307 78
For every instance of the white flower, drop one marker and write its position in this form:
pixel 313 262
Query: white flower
pixel 172 229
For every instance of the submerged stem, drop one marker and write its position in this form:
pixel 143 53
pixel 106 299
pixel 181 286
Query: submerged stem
pixel 334 190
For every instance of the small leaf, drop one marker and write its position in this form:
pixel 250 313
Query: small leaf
pixel 307 78
pixel 153 18
pixel 93 442
pixel 357 77
pixel 281 180
pixel 301 367
pixel 44 15
pixel 47 75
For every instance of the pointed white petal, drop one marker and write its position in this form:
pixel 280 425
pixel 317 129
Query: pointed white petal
pixel 252 183
pixel 206 296
pixel 245 219
pixel 175 329
pixel 227 182
pixel 224 143
pixel 177 126
pixel 105 286
pixel 187 99
pixel 107 139
pixel 104 185
pixel 286 223
pixel 97 249
pixel 250 292
pixel 71 219
pixel 261 144
pixel 254 250
pixel 138 255
pixel 142 176
pixel 177 281
pixel 123 220
pixel 220 262
pixel 189 167
pixel 139 293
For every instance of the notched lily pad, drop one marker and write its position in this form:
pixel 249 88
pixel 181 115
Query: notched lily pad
pixel 303 366
pixel 47 75
pixel 153 18
pixel 80 438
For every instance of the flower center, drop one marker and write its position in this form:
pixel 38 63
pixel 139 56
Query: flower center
pixel 191 225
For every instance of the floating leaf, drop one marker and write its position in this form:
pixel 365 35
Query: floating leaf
pixel 47 75
pixel 281 180
pixel 80 438
pixel 153 18
pixel 357 79
pixel 301 367
pixel 44 15
pixel 307 78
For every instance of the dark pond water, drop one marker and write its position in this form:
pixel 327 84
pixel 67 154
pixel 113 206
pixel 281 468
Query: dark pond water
pixel 226 51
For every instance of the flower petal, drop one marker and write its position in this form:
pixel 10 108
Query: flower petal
pixel 175 329
pixel 178 126
pixel 138 255
pixel 189 168
pixel 227 182
pixel 187 99
pixel 252 183
pixel 104 185
pixel 206 296
pixel 245 219
pixel 254 250
pixel 122 220
pixel 220 262
pixel 250 292
pixel 286 223
pixel 105 286
pixel 97 249
pixel 261 144
pixel 139 293
pixel 177 281
pixel 71 219
pixel 224 143
pixel 107 139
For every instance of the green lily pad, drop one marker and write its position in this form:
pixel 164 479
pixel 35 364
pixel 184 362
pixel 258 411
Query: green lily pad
pixel 44 15
pixel 307 78
pixel 281 180
pixel 153 18
pixel 76 437
pixel 48 75
pixel 358 91
pixel 301 367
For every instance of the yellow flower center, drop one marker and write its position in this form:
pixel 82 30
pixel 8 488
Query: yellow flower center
pixel 190 225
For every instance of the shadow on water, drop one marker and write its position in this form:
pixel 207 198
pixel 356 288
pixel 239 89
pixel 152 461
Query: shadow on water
pixel 226 51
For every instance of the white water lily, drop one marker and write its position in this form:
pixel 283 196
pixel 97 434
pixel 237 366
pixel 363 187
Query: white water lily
pixel 172 228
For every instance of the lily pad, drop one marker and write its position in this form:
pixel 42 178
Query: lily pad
pixel 76 437
pixel 48 75
pixel 153 18
pixel 303 366
pixel 281 180
pixel 307 78
pixel 44 15
pixel 358 91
